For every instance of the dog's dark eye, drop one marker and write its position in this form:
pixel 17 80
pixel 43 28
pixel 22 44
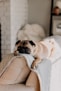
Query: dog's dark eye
pixel 17 42
pixel 32 43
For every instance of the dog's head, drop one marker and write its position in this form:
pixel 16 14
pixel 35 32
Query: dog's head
pixel 27 46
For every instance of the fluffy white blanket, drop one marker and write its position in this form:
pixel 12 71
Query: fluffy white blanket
pixel 33 32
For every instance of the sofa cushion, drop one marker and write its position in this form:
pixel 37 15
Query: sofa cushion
pixel 16 72
pixel 5 60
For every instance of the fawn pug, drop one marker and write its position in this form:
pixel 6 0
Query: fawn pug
pixel 40 50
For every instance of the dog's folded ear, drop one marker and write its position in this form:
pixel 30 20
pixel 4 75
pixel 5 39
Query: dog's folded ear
pixel 18 42
pixel 32 43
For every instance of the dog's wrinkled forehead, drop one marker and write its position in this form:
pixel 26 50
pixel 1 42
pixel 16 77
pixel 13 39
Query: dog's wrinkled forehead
pixel 25 42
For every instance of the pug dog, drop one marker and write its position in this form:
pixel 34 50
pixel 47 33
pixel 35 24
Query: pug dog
pixel 39 50
pixel 20 46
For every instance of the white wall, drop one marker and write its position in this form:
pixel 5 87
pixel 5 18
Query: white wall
pixel 19 17
pixel 5 27
pixel 13 14
pixel 39 12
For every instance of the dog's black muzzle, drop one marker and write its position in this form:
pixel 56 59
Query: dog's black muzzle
pixel 24 50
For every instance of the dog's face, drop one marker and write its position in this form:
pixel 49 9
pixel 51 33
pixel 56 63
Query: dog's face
pixel 27 46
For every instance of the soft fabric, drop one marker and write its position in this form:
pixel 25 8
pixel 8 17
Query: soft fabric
pixel 55 78
pixel 15 71
pixel 43 72
pixel 5 60
pixel 49 75
pixel 33 32
pixel 16 87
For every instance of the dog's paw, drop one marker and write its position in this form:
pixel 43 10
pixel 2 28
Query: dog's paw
pixel 16 53
pixel 34 65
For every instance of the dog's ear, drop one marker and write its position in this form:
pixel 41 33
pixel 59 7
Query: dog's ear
pixel 17 42
pixel 32 43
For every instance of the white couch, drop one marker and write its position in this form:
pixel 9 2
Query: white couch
pixel 55 81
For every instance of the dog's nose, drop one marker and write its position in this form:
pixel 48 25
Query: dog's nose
pixel 23 50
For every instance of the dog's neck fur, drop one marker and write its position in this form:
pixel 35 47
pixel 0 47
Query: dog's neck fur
pixel 42 51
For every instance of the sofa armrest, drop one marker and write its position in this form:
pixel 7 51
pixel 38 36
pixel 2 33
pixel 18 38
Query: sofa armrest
pixel 16 87
pixel 5 60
